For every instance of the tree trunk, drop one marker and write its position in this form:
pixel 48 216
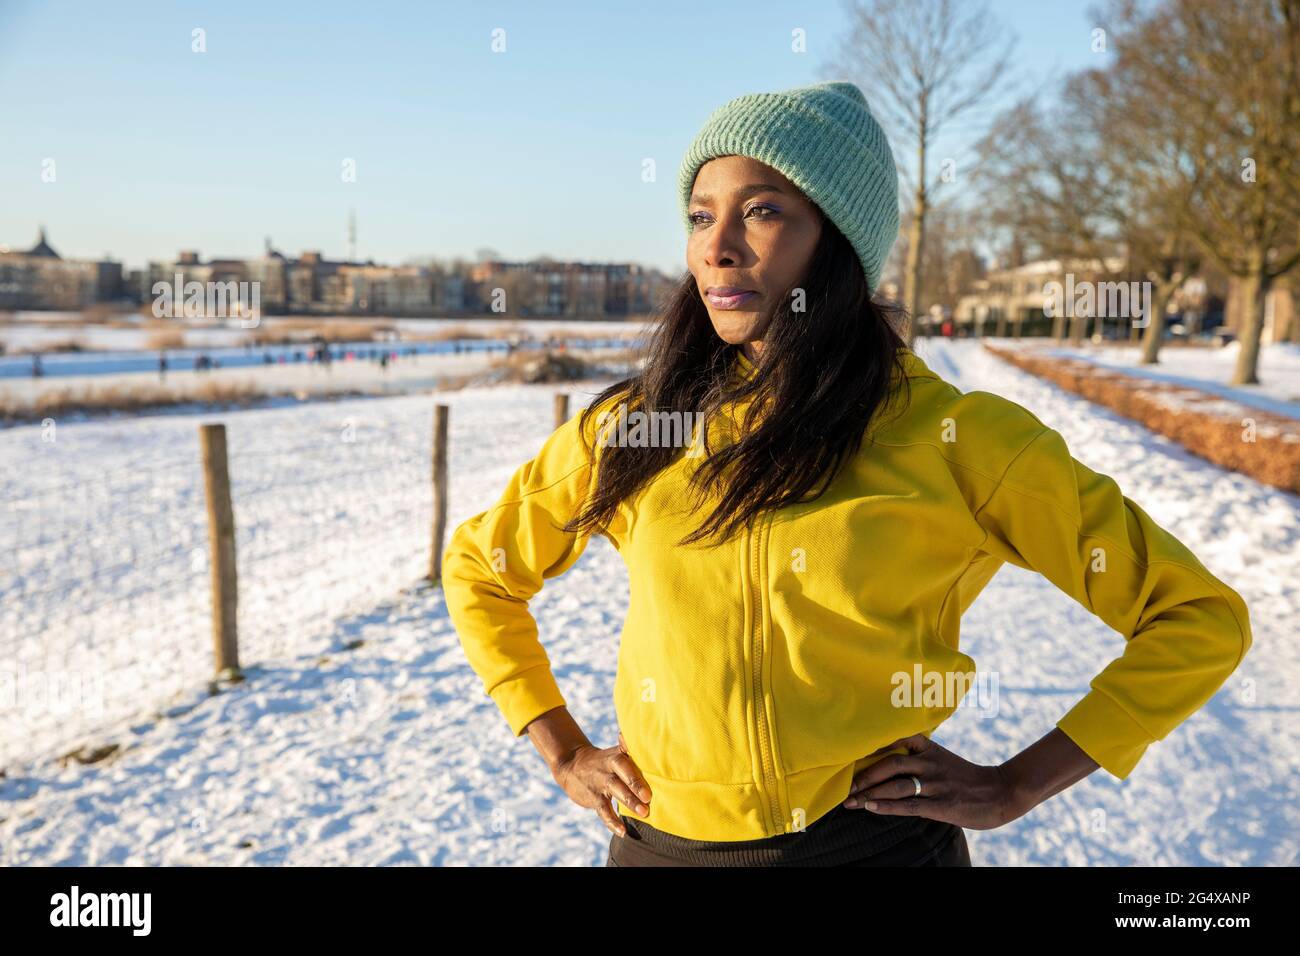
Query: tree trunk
pixel 1254 290
pixel 1153 335
pixel 912 284
pixel 1078 327
pixel 916 235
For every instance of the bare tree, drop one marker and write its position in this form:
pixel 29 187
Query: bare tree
pixel 1093 184
pixel 922 64
pixel 1044 190
pixel 951 260
pixel 1137 143
pixel 1222 77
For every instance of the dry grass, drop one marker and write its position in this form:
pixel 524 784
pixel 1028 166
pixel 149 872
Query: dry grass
pixel 153 322
pixel 535 366
pixel 46 319
pixel 586 335
pixel 296 331
pixel 168 339
pixel 541 366
pixel 121 398
pixel 99 313
pixel 55 345
pixel 1269 453
pixel 515 330
pixel 110 399
pixel 444 335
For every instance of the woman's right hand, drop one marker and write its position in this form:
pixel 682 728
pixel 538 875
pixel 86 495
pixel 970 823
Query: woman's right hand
pixel 593 776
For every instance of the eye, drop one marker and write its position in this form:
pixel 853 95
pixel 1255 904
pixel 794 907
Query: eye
pixel 768 211
pixel 694 218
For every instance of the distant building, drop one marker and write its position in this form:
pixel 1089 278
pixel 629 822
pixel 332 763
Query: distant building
pixel 545 287
pixel 311 284
pixel 1011 295
pixel 1017 295
pixel 40 278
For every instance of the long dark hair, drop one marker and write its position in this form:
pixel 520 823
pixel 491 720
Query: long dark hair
pixel 824 373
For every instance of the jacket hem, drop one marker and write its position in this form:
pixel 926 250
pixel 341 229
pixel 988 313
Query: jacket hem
pixel 729 812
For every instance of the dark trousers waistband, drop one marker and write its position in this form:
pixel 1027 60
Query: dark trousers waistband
pixel 841 837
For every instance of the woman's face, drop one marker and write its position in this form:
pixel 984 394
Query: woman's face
pixel 752 237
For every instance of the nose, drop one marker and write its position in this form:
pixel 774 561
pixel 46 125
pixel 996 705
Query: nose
pixel 722 243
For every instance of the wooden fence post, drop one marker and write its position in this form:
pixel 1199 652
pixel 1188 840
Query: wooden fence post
pixel 221 540
pixel 439 491
pixel 561 408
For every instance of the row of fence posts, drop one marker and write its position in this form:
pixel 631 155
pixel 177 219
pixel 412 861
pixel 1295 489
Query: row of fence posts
pixel 221 530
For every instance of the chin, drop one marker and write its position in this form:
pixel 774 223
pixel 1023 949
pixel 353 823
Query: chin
pixel 737 328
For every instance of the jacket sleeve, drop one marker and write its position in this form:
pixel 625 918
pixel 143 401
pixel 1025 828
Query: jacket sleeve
pixel 1185 631
pixel 496 561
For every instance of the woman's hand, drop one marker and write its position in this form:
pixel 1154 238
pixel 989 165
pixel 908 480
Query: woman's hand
pixel 592 776
pixel 952 789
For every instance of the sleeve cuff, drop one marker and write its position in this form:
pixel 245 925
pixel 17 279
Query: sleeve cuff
pixel 526 697
pixel 1106 733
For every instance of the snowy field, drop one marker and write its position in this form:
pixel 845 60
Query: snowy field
pixel 403 375
pixel 387 751
pixel 34 330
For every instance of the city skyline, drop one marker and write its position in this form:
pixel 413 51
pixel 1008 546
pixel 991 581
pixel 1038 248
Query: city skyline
pixel 40 278
pixel 42 237
pixel 456 148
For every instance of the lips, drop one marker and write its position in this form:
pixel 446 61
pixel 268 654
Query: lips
pixel 728 297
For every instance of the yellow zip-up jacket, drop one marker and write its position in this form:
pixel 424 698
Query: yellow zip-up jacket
pixel 755 675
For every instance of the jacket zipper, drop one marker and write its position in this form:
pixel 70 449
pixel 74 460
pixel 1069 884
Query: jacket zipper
pixel 767 761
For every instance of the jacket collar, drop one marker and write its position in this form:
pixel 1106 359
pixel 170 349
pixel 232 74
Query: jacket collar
pixel 914 366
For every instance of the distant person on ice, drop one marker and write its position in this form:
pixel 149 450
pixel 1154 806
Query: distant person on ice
pixel 801 553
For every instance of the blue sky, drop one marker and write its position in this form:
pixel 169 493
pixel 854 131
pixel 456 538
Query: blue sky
pixel 537 150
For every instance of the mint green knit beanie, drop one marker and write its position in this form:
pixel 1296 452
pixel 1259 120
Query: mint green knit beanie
pixel 822 138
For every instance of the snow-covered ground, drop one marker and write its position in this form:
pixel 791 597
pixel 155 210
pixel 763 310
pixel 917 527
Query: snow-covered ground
pixel 389 752
pixel 34 330
pixel 1208 369
pixel 403 375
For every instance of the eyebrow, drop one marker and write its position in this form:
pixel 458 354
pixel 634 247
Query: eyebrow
pixel 743 192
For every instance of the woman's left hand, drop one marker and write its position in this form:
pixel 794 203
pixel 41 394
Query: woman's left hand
pixel 952 789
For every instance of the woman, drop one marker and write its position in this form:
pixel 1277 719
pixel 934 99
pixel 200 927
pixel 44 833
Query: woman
pixel 804 519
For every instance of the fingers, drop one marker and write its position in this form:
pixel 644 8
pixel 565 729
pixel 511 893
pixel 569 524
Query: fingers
pixel 617 788
pixel 623 781
pixel 916 743
pixel 613 823
pixel 622 744
pixel 907 807
pixel 898 788
pixel 880 750
pixel 888 767
pixel 630 775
